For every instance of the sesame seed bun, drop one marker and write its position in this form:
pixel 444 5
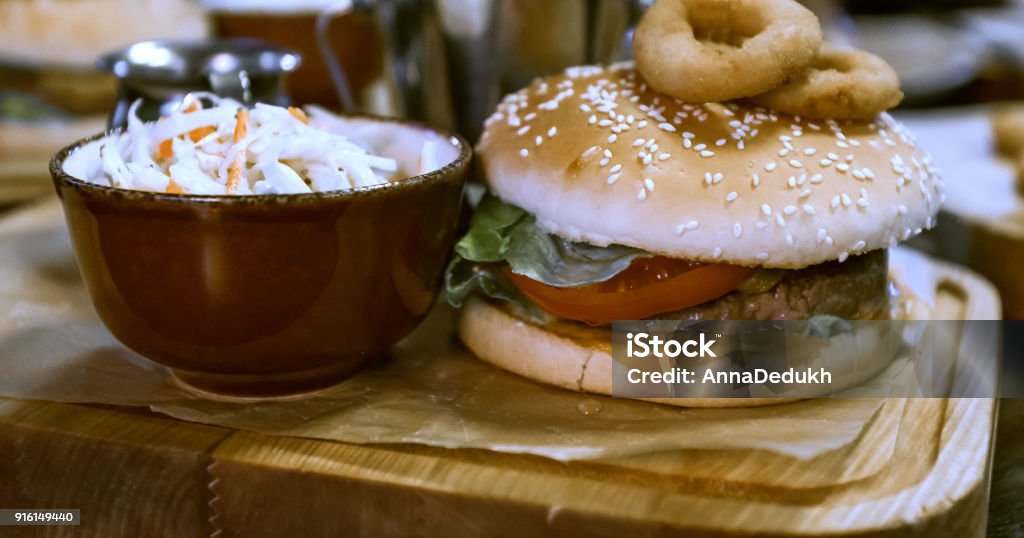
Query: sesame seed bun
pixel 580 358
pixel 600 158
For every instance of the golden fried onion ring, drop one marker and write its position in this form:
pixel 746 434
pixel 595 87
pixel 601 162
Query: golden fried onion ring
pixel 839 84
pixel 715 50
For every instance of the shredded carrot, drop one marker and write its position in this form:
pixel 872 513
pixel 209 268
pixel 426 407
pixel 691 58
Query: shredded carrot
pixel 166 149
pixel 238 163
pixel 174 188
pixel 200 133
pixel 298 114
pixel 195 135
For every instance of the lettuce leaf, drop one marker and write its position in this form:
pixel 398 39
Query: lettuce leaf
pixel 500 233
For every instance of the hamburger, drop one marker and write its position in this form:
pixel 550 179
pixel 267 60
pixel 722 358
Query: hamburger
pixel 610 201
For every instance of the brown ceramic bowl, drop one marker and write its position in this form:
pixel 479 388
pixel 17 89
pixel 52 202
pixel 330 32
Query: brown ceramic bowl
pixel 266 295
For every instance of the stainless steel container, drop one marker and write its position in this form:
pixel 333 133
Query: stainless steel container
pixel 162 72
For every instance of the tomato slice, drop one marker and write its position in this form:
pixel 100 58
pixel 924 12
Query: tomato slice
pixel 648 287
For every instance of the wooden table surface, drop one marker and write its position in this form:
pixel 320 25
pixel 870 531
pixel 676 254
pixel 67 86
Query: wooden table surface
pixel 1006 507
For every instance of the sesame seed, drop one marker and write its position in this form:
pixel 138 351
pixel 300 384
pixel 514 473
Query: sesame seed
pixel 524 152
pixel 608 153
pixel 720 142
pixel 859 245
pixel 717 253
pixel 766 209
pixel 863 203
pixel 835 201
pixel 604 161
pixel 700 147
pixel 804 193
pixel 538 140
pixel 664 126
pixel 641 124
pixel 783 152
pixel 902 209
pixel 779 220
pixel 641 195
pixel 663 157
pixel 707 153
pixel 616 168
pixel 687 144
pixel 648 159
pixel 612 138
pixel 638 142
pixel 825 163
pixel 789 239
pixel 523 130
pixel 708 178
pixel 613 178
pixel 680 228
pixel 770 166
pixel 843 256
pixel 762 255
pixel 760 225
pixel 552 131
pixel 692 225
pixel 737 230
pixel 842 167
pixel 833 155
pixel 791 182
pixel 731 196
pixel 810 151
pixel 829 241
pixel 789 210
pixel 809 209
pixel 688 135
pixel 590 152
pixel 842 144
pixel 821 234
pixel 846 199
pixel 592 120
pixel 649 184
pixel 817 178
pixel 795 163
pixel 605 123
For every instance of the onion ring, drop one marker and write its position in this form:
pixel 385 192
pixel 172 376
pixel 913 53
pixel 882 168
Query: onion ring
pixel 840 84
pixel 704 51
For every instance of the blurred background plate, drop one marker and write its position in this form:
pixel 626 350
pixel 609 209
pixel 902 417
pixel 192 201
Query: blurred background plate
pixel 26 147
pixel 931 56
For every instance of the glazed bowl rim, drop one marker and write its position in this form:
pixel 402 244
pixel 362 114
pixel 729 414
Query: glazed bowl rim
pixel 461 160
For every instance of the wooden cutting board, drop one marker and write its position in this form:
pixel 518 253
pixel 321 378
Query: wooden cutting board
pixel 919 468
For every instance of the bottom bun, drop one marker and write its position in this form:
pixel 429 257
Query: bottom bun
pixel 581 361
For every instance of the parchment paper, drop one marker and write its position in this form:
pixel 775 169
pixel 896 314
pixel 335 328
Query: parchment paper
pixel 430 390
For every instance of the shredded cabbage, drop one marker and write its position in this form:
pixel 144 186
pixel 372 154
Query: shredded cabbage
pixel 277 150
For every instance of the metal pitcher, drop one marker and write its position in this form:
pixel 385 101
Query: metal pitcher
pixel 162 72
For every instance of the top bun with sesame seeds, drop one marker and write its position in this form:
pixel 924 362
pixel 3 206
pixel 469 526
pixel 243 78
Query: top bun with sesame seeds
pixel 600 158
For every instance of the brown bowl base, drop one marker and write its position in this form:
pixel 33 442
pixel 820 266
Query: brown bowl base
pixel 268 386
